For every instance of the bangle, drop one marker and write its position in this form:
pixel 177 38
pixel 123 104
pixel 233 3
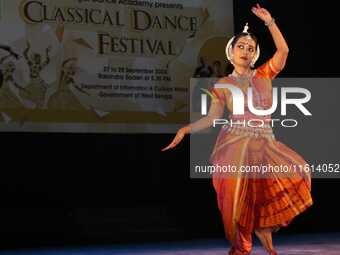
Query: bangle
pixel 268 24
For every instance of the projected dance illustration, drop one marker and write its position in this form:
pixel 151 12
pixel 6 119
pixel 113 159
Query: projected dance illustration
pixel 37 87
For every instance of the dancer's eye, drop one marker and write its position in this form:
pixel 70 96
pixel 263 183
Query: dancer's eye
pixel 240 46
pixel 251 49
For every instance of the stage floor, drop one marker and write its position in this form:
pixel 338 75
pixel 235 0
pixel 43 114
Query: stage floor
pixel 311 244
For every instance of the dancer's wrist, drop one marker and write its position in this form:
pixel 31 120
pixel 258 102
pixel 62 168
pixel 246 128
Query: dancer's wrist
pixel 187 129
pixel 270 22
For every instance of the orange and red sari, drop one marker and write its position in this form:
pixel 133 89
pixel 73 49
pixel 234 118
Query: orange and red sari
pixel 246 203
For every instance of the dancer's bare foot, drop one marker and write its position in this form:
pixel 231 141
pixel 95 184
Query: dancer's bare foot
pixel 265 236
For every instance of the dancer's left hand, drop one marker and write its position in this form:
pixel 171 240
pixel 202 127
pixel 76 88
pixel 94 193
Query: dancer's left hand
pixel 262 13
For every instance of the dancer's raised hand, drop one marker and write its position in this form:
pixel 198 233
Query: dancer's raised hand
pixel 262 13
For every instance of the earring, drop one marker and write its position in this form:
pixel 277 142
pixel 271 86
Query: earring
pixel 252 64
pixel 231 60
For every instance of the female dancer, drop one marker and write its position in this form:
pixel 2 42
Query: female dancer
pixel 37 87
pixel 64 98
pixel 9 89
pixel 259 204
pixel 11 53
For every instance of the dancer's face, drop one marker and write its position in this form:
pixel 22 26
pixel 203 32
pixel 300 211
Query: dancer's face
pixel 244 51
pixel 70 70
pixel 36 58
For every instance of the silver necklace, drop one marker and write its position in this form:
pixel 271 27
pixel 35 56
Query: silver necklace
pixel 244 80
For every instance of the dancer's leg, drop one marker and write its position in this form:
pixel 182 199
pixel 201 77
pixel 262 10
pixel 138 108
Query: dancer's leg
pixel 243 242
pixel 265 236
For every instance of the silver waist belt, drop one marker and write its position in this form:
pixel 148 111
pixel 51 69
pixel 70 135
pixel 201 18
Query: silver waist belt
pixel 266 131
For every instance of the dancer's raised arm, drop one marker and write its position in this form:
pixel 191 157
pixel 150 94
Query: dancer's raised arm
pixel 27 49
pixel 47 59
pixel 281 54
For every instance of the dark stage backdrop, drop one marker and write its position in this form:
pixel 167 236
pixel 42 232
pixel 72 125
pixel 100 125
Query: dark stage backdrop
pixel 88 188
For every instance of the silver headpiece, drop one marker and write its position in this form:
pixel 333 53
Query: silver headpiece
pixel 229 47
